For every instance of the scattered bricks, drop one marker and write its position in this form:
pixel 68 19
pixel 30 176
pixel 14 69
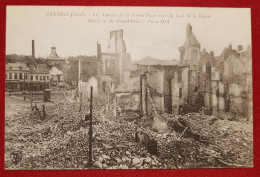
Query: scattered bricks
pixel 149 143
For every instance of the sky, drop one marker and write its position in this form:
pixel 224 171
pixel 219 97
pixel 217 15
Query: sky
pixel 154 31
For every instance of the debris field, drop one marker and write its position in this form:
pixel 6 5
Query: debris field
pixel 59 140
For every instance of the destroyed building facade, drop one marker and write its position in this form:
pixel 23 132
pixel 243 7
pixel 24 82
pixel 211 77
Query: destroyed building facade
pixel 224 82
pixel 222 85
pixel 112 64
pixel 218 85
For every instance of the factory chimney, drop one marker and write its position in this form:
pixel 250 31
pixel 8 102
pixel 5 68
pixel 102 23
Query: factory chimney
pixel 33 52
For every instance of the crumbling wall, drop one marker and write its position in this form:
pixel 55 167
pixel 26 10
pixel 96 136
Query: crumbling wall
pixel 218 97
pixel 239 97
pixel 194 55
pixel 85 89
pixel 105 84
pixel 109 64
pixel 214 85
pixel 155 81
pixel 128 101
pixel 93 82
pixel 221 94
pixel 207 96
pixel 184 85
pixel 125 64
pixel 128 92
pixel 175 94
pixel 167 90
pixel 233 66
pixel 190 51
pixel 116 43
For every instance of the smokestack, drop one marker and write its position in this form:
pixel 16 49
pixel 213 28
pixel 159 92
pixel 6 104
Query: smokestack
pixel 33 52
pixel 98 50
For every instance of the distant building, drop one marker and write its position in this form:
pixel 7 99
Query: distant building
pixel 56 75
pixel 54 57
pixel 17 76
pixel 54 60
pixel 39 76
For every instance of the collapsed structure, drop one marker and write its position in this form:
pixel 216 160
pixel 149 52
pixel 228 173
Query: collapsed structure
pixel 219 85
pixel 112 64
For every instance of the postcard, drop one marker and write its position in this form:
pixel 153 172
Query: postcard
pixel 95 87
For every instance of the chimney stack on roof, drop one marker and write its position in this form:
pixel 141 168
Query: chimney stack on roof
pixel 98 50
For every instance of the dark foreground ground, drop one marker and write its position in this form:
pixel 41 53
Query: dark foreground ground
pixel 60 141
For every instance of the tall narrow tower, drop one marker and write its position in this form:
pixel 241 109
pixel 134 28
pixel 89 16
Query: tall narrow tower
pixel 33 52
pixel 98 50
pixel 190 51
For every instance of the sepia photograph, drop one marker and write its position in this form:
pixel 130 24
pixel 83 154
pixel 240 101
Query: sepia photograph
pixel 105 87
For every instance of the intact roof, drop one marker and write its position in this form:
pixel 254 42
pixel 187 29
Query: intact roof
pixel 16 66
pixel 38 68
pixel 55 71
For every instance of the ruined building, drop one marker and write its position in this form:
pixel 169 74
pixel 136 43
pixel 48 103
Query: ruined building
pixel 190 51
pixel 163 88
pixel 223 82
pixel 218 85
pixel 113 63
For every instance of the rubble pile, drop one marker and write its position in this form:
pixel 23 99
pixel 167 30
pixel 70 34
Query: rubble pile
pixel 176 151
pixel 233 145
pixel 216 143
pixel 60 141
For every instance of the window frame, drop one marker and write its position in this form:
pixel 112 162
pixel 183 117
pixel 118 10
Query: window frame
pixel 20 76
pixel 180 93
pixel 10 76
pixel 15 76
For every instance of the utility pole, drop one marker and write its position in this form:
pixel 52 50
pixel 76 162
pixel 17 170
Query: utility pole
pixel 141 100
pixel 24 88
pixel 79 76
pixel 90 128
pixel 30 88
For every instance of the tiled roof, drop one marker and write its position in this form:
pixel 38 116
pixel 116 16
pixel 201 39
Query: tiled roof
pixel 16 66
pixel 39 68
